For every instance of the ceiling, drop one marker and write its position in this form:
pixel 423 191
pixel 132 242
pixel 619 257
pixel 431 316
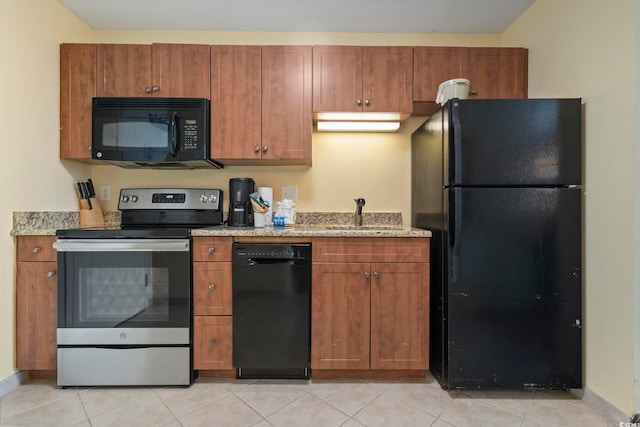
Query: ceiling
pixel 352 16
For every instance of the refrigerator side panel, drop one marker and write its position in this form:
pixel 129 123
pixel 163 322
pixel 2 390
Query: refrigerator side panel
pixel 515 142
pixel 514 290
pixel 427 212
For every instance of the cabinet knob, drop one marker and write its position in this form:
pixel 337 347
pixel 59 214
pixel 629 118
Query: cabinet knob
pixel 88 148
pixel 50 273
pixel 147 90
pixel 376 274
pixel 367 102
pixel 212 250
pixel 366 275
pixel 212 341
pixel 359 101
pixel 212 286
pixel 155 88
pixel 35 250
pixel 264 149
pixel 256 149
pixel 474 92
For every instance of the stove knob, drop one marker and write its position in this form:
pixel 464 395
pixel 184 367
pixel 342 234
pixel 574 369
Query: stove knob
pixel 125 199
pixel 134 199
pixel 213 198
pixel 203 198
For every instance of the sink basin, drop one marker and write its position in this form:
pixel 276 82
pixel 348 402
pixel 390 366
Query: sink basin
pixel 363 227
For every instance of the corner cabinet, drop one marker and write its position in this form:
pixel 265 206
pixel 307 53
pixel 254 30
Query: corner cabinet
pixel 493 72
pixel 36 303
pixel 362 79
pixel 370 304
pixel 212 309
pixel 261 105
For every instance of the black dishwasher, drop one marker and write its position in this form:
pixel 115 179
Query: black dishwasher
pixel 271 310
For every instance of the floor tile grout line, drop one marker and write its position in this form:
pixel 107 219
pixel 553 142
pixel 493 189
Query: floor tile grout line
pixel 341 411
pixel 41 404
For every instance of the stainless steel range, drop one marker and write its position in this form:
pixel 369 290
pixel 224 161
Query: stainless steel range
pixel 125 293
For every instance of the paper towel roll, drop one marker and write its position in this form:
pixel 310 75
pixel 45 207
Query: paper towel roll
pixel 267 195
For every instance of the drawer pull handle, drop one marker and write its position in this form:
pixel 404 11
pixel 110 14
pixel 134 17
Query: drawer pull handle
pixel 50 273
pixel 376 274
pixel 35 250
pixel 212 286
pixel 366 275
pixel 212 250
pixel 212 341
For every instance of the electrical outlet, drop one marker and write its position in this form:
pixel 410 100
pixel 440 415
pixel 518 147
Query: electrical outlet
pixel 289 192
pixel 105 192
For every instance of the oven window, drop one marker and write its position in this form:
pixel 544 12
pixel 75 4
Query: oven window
pixel 116 295
pixel 124 289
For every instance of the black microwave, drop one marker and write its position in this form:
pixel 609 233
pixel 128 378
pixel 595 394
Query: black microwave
pixel 152 132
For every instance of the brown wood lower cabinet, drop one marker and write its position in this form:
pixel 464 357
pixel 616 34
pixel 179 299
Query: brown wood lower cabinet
pixel 212 309
pixel 36 303
pixel 370 315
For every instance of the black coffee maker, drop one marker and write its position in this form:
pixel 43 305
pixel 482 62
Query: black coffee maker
pixel 240 209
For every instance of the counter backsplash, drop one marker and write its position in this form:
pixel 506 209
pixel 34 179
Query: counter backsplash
pixel 48 222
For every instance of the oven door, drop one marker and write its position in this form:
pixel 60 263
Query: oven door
pixel 124 291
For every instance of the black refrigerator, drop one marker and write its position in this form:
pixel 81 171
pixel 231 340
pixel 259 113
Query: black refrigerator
pixel 498 182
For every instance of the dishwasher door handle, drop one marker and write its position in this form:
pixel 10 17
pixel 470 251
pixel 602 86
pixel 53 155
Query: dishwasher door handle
pixel 269 261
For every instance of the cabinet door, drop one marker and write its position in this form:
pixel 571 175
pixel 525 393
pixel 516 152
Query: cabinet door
pixel 212 342
pixel 337 78
pixel 124 70
pixel 36 302
pixel 400 316
pixel 340 301
pixel 77 88
pixel 387 79
pixel 210 249
pixel 181 70
pixel 434 65
pixel 498 72
pixel 212 288
pixel 236 102
pixel 287 123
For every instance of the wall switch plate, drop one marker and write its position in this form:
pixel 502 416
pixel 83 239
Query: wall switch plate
pixel 289 192
pixel 105 192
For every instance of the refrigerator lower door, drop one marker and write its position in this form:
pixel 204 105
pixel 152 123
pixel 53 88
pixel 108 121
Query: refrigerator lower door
pixel 513 288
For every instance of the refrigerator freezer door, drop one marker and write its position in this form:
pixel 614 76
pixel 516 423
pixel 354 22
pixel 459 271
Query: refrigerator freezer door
pixel 504 142
pixel 514 288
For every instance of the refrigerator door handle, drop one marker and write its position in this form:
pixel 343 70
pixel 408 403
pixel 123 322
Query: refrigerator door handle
pixel 455 156
pixel 455 222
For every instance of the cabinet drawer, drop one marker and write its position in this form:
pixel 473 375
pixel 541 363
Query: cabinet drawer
pixel 212 288
pixel 212 342
pixel 370 249
pixel 36 248
pixel 212 248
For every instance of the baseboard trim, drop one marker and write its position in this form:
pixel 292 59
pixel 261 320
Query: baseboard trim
pixel 13 382
pixel 608 409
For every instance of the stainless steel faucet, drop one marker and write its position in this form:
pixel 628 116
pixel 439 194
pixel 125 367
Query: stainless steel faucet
pixel 358 216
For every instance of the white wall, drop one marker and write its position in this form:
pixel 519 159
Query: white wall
pixel 32 177
pixel 587 49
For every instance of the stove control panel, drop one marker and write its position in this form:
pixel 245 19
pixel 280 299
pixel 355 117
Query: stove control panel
pixel 170 198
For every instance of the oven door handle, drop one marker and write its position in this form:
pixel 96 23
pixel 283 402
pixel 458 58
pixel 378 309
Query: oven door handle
pixel 122 245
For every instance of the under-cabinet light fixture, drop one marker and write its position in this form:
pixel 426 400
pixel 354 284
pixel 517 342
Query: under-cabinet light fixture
pixel 345 126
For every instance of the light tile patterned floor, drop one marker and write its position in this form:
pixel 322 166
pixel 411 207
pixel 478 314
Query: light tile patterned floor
pixel 264 403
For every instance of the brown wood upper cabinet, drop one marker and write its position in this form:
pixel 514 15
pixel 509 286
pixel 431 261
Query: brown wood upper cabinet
pixel 362 79
pixel 261 105
pixel 493 72
pixel 164 70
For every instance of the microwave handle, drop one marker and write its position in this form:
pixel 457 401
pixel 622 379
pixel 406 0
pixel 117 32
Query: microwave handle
pixel 174 133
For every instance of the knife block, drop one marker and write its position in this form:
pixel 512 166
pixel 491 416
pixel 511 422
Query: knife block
pixel 91 217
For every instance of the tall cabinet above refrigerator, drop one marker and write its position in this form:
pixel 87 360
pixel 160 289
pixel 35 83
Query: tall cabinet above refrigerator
pixel 498 182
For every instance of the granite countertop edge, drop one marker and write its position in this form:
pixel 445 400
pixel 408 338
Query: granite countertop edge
pixel 308 224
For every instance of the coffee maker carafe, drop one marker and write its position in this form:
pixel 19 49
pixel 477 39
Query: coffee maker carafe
pixel 240 209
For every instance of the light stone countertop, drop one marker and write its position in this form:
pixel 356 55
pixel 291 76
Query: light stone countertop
pixel 308 224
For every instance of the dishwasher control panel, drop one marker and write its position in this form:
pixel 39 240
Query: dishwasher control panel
pixel 272 250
